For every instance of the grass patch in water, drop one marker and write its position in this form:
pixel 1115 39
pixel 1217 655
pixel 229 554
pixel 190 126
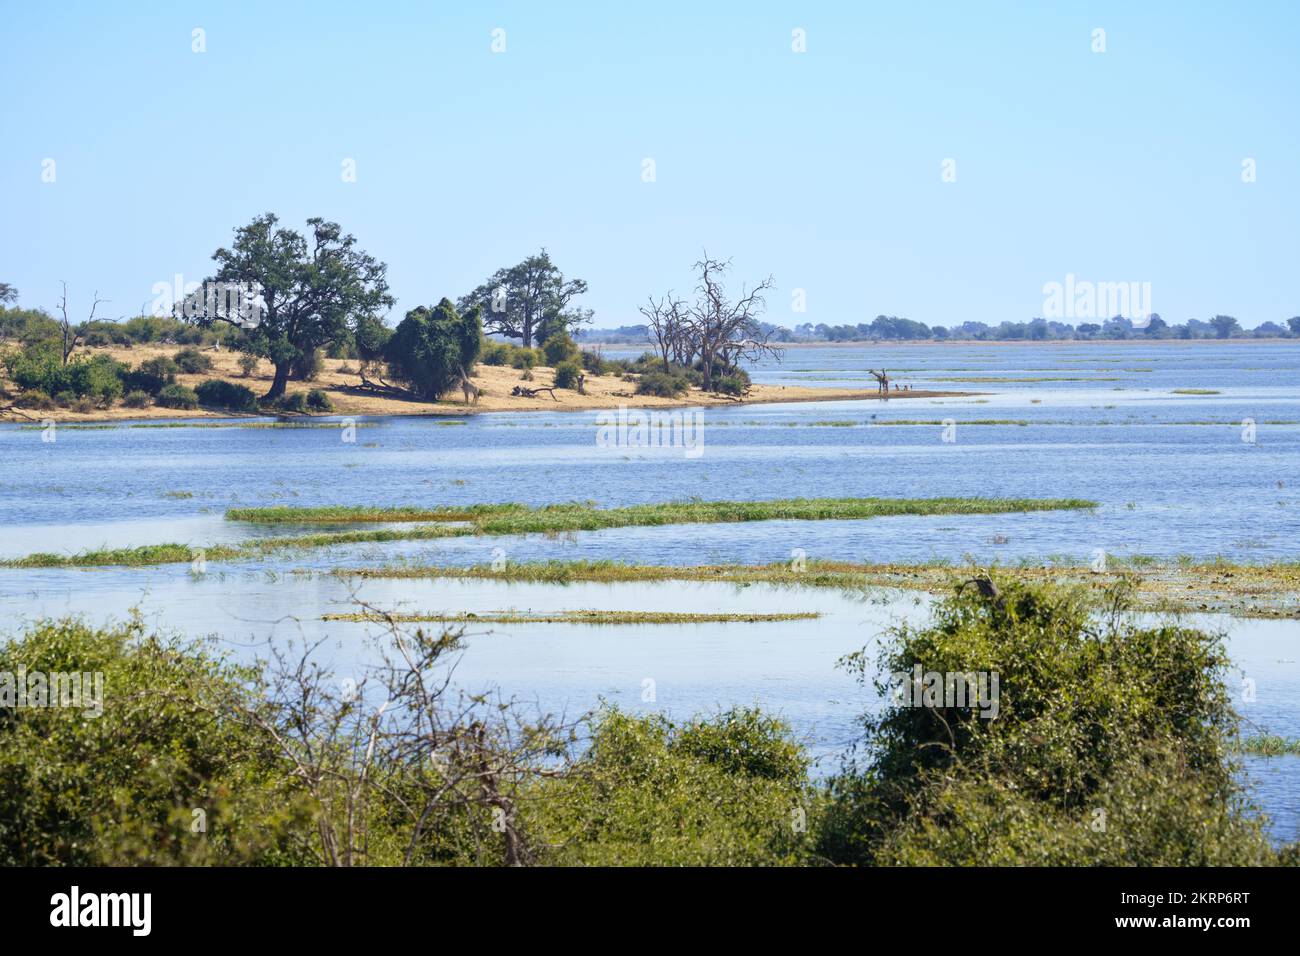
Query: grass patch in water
pixel 1196 391
pixel 500 519
pixel 1270 745
pixel 574 617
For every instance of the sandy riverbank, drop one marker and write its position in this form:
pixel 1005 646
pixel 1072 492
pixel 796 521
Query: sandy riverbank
pixel 342 383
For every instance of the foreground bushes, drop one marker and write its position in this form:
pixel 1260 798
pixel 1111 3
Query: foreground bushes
pixel 1111 745
pixel 216 393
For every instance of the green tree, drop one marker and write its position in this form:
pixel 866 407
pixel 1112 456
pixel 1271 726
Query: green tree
pixel 8 294
pixel 294 294
pixel 432 350
pixel 1294 325
pixel 529 301
pixel 1225 326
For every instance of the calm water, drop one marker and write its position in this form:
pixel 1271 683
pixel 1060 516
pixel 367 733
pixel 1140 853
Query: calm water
pixel 1171 473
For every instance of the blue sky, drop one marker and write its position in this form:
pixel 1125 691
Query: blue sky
pixel 822 168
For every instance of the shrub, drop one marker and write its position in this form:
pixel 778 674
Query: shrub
pixel 495 353
pixel 193 362
pixel 177 396
pixel 731 385
pixel 137 399
pixel 35 399
pixel 647 792
pixel 663 384
pixel 119 788
pixel 296 403
pixel 65 398
pixel 319 401
pixel 524 359
pixel 216 393
pixel 84 405
pixel 152 375
pixel 1105 715
pixel 431 348
pixel 247 365
pixel 559 348
pixel 566 375
pixel 98 378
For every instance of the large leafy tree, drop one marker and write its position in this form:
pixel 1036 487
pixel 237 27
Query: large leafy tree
pixel 308 290
pixel 529 301
pixel 432 350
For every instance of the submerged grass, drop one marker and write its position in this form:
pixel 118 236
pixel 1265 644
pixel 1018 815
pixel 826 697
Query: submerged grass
pixel 1270 745
pixel 523 519
pixel 510 519
pixel 1185 585
pixel 574 617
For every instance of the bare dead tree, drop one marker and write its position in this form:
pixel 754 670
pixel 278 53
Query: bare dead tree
pixel 718 325
pixel 72 335
pixel 667 326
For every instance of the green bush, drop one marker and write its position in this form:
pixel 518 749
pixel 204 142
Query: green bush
pixel 559 348
pixel 177 396
pixel 137 399
pixel 1110 743
pixel 193 362
pixel 295 403
pixel 152 375
pixel 663 384
pixel 566 375
pixel 319 401
pixel 729 792
pixel 247 365
pixel 495 353
pixel 733 385
pixel 121 788
pixel 523 359
pixel 34 399
pixel 431 348
pixel 216 393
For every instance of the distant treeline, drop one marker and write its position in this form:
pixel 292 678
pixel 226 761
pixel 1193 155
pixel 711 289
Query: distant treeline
pixel 894 329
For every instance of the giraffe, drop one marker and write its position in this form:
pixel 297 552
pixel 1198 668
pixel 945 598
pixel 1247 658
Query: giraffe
pixel 471 390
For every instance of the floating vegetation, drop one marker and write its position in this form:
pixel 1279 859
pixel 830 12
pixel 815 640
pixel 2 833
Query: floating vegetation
pixel 1270 745
pixel 573 617
pixel 1197 391
pixel 501 519
pixel 1177 585
pixel 973 379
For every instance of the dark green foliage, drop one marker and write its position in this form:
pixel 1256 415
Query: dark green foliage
pixel 177 396
pixel 308 365
pixel 319 401
pixel 137 399
pixel 530 301
pixel 40 369
pixel 559 348
pixel 313 289
pixel 216 393
pixel 432 348
pixel 121 788
pixel 730 790
pixel 247 364
pixel 36 399
pixel 152 375
pixel 566 375
pixel 1110 745
pixel 733 385
pixel 295 403
pixel 663 384
pixel 193 362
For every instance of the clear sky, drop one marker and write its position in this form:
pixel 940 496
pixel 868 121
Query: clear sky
pixel 823 168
